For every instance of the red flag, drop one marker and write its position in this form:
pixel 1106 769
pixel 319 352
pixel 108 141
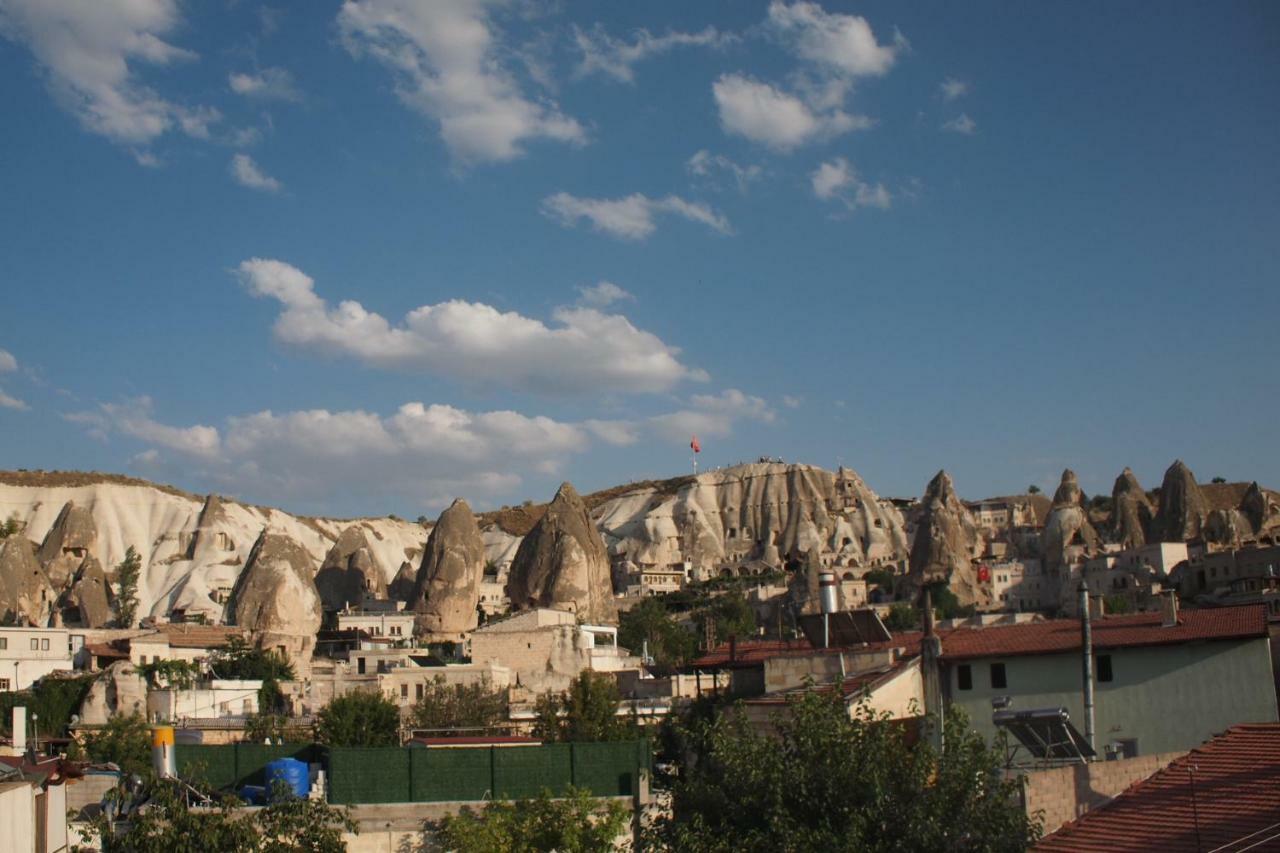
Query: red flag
pixel 984 574
pixel 697 448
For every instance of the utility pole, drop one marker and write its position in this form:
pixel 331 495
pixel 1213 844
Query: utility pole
pixel 1086 662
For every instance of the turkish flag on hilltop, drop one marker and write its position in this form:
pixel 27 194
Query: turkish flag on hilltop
pixel 697 448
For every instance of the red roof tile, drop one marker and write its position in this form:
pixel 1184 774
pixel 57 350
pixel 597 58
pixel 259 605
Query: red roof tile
pixel 1111 632
pixel 1234 806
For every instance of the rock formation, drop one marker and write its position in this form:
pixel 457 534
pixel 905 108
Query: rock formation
pixel 402 585
pixel 804 591
pixel 1262 509
pixel 1131 512
pixel 562 563
pixel 68 542
pixel 276 598
pixel 88 598
pixel 448 585
pixel 946 543
pixel 1183 508
pixel 26 598
pixel 119 690
pixel 349 572
pixel 1067 532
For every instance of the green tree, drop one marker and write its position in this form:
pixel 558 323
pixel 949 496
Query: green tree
pixel 1117 604
pixel 361 718
pixel 575 823
pixel 177 674
pixel 902 617
pixel 1219 480
pixel 124 741
pixel 882 578
pixel 127 573
pixel 834 781
pixel 291 824
pixel 587 712
pixel 669 644
pixel 239 660
pixel 732 615
pixel 52 700
pixel 460 706
pixel 945 603
pixel 1033 489
pixel 10 526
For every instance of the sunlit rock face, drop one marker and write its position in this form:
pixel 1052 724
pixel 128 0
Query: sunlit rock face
pixel 448 583
pixel 1183 508
pixel 277 600
pixel 1131 512
pixel 947 542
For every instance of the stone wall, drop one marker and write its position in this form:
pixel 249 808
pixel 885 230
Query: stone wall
pixel 1066 793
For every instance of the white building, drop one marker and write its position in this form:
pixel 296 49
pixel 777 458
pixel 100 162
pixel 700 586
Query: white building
pixel 1018 585
pixel 29 654
pixel 391 626
pixel 210 700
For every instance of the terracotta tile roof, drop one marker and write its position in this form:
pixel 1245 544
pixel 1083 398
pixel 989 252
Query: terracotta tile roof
pixel 1236 803
pixel 756 652
pixel 184 635
pixel 106 650
pixel 1139 629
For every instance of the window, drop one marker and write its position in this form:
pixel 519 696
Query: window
pixel 4 685
pixel 1104 668
pixel 419 692
pixel 35 644
pixel 404 691
pixel 998 679
pixel 964 677
pixel 44 645
pixel 4 643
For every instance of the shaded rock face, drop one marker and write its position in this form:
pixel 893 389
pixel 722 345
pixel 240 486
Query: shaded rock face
pixel 88 597
pixel 69 541
pixel 402 585
pixel 1183 508
pixel 276 598
pixel 349 572
pixel 1066 528
pixel 562 564
pixel 1131 512
pixel 946 543
pixel 448 585
pixel 26 597
pixel 1262 509
pixel 804 594
pixel 210 543
pixel 119 690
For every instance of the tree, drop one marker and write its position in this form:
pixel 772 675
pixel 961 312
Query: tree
pixel 10 526
pixel 834 781
pixel 1117 604
pixel 649 621
pixel 587 712
pixel 291 824
pixel 733 617
pixel 460 706
pixel 902 617
pixel 127 573
pixel 177 674
pixel 945 603
pixel 239 660
pixel 575 823
pixel 1219 480
pixel 1033 489
pixel 52 700
pixel 124 741
pixel 359 719
pixel 882 578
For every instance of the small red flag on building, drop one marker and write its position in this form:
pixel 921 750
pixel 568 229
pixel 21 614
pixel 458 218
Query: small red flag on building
pixel 984 574
pixel 697 448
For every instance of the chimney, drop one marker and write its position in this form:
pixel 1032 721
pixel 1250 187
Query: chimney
pixel 19 730
pixel 1097 607
pixel 1169 610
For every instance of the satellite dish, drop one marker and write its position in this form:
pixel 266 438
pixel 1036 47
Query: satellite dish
pixel 75 720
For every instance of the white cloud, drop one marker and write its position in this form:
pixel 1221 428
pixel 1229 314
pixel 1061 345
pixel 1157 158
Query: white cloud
pixel 630 218
pixel 952 89
pixel 8 363
pixel 711 416
pixel 269 84
pixel 843 44
pixel 961 124
pixel 448 67
pixel 247 173
pixel 133 418
pixel 7 402
pixel 586 349
pixel 603 294
pixel 791 402
pixel 704 164
pixel 90 51
pixel 763 113
pixel 604 54
pixel 838 180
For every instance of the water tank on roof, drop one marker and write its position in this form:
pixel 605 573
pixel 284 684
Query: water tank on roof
pixel 290 771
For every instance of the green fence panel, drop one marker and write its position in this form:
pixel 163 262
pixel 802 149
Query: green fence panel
pixel 368 775
pixel 450 774
pixel 211 765
pixel 524 771
pixel 607 769
pixel 252 759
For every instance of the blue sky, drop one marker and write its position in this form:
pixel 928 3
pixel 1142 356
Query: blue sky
pixel 361 257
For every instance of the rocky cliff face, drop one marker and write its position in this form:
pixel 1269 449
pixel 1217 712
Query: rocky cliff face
pixel 563 564
pixel 26 598
pixel 946 543
pixel 1262 508
pixel 1183 508
pixel 88 600
pixel 276 598
pixel 1067 532
pixel 70 539
pixel 349 572
pixel 765 511
pixel 448 585
pixel 1131 512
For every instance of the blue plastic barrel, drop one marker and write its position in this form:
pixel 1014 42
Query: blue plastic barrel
pixel 254 795
pixel 292 772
